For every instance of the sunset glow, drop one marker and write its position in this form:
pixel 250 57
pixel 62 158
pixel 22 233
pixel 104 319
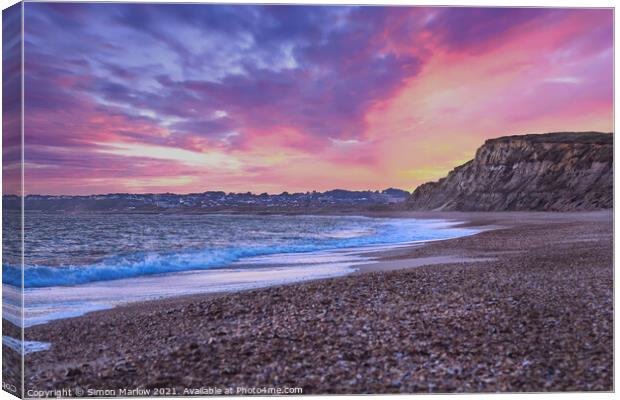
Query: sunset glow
pixel 189 98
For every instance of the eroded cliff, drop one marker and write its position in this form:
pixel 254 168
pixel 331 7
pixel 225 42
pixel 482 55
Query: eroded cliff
pixel 561 171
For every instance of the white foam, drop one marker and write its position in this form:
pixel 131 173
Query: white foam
pixel 45 304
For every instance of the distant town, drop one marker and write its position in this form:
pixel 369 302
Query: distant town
pixel 214 201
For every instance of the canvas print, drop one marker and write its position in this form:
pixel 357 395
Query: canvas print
pixel 204 199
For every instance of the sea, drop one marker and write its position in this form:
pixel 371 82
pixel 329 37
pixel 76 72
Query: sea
pixel 75 263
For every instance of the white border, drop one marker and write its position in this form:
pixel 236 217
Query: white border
pixel 474 3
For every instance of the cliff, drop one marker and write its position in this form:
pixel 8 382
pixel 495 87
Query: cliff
pixel 561 171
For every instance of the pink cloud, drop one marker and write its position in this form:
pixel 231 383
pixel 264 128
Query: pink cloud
pixel 380 97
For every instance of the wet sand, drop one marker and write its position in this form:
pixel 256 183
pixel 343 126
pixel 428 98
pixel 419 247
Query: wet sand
pixel 527 306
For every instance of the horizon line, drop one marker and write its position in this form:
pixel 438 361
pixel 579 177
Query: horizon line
pixel 206 191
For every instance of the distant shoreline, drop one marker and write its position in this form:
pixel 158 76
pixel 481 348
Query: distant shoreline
pixel 396 212
pixel 218 201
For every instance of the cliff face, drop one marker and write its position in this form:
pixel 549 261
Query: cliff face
pixel 549 172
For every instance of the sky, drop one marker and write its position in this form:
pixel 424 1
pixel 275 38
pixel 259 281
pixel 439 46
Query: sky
pixel 187 98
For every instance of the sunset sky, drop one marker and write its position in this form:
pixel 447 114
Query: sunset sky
pixel 189 98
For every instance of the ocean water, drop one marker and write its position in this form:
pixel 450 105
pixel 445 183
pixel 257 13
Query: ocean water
pixel 76 263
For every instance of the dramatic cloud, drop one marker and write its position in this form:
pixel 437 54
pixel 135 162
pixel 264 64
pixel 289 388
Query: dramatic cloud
pixel 185 98
pixel 11 96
